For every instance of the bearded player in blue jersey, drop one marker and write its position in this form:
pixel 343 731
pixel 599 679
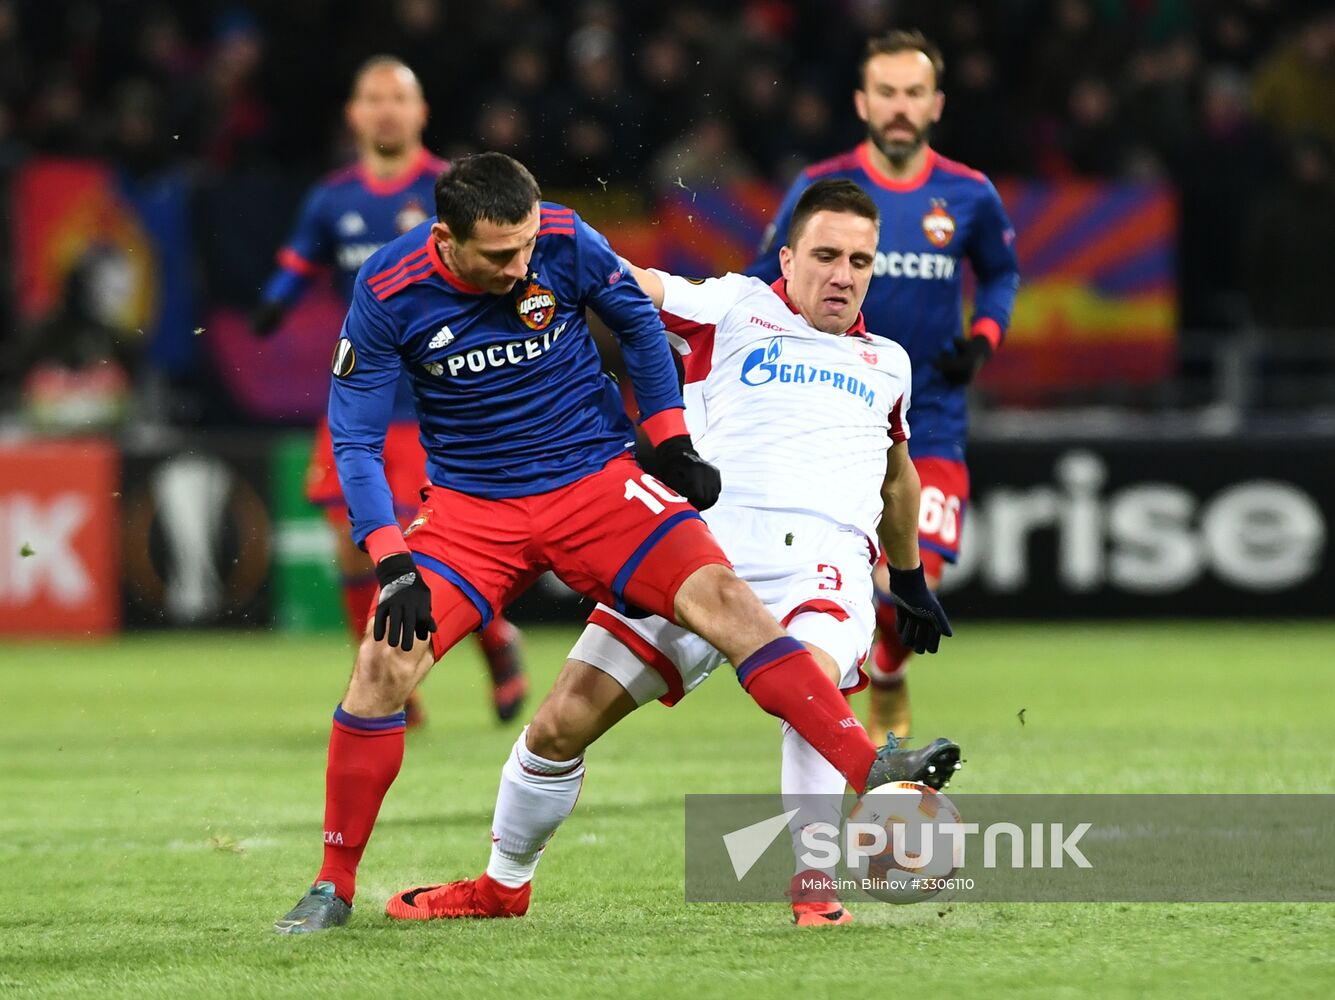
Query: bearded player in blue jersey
pixel 935 215
pixel 344 220
pixel 529 456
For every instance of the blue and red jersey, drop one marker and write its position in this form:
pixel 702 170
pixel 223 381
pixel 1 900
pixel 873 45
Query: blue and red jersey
pixel 509 389
pixel 345 219
pixel 930 224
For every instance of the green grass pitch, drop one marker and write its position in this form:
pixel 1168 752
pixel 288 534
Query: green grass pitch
pixel 161 797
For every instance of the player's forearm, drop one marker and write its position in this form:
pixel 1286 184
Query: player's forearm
pixel 993 302
pixel 650 283
pixel 901 499
pixel 361 473
pixel 285 287
pixel 385 541
pixel 359 418
pixel 652 372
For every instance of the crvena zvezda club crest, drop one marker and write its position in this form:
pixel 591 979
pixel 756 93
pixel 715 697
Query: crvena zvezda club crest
pixel 869 356
pixel 536 306
pixel 938 225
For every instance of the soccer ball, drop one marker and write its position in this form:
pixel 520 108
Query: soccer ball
pixel 907 816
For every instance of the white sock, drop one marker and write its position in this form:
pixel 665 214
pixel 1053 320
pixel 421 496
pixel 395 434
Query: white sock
pixel 804 775
pixel 535 797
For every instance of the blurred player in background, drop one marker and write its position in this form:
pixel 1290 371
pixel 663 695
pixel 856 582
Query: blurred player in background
pixel 804 413
pixel 935 214
pixel 530 459
pixel 346 218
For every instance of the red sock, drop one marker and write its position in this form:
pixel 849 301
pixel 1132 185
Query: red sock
pixel 359 593
pixel 364 759
pixel 890 656
pixel 785 680
pixel 498 633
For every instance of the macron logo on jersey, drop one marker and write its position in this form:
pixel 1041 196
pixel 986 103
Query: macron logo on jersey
pixel 763 366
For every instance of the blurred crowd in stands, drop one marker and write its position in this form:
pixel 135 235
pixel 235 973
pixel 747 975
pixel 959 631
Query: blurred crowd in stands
pixel 1231 100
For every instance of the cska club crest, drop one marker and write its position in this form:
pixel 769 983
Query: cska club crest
pixel 937 224
pixel 410 215
pixel 536 305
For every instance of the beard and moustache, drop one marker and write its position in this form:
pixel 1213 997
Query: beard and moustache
pixel 390 149
pixel 897 151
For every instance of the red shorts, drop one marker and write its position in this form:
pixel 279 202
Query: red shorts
pixel 945 494
pixel 617 536
pixel 405 470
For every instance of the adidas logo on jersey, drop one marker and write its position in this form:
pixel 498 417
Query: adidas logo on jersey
pixel 351 224
pixel 442 338
pixel 514 352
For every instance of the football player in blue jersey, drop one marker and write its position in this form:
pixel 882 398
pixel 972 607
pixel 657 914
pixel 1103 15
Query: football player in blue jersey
pixel 531 468
pixel 347 217
pixel 935 215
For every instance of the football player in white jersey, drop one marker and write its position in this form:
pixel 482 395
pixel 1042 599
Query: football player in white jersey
pixel 804 413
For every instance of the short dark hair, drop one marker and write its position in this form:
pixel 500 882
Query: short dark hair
pixel 902 41
pixel 489 186
pixel 831 195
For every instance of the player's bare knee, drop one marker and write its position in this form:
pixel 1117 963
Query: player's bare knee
pixel 386 670
pixel 718 605
pixel 551 734
pixel 733 598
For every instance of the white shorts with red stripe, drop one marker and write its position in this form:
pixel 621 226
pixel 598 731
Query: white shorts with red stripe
pixel 812 574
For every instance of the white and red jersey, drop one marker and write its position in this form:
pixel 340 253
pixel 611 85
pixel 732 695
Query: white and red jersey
pixel 794 418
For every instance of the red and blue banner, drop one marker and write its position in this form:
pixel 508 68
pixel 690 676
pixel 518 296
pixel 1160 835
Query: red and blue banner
pixel 133 237
pixel 1097 301
pixel 1098 287
pixel 1098 291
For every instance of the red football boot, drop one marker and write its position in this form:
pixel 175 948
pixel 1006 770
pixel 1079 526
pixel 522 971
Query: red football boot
pixel 471 897
pixel 815 903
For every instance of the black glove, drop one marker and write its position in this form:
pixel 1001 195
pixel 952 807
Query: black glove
pixel 919 618
pixel 677 464
pixel 960 365
pixel 404 606
pixel 266 317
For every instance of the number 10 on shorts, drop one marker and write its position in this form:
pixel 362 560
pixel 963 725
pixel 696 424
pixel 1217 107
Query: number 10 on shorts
pixel 650 492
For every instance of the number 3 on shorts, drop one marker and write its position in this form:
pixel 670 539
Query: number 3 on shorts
pixel 654 496
pixel 831 578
